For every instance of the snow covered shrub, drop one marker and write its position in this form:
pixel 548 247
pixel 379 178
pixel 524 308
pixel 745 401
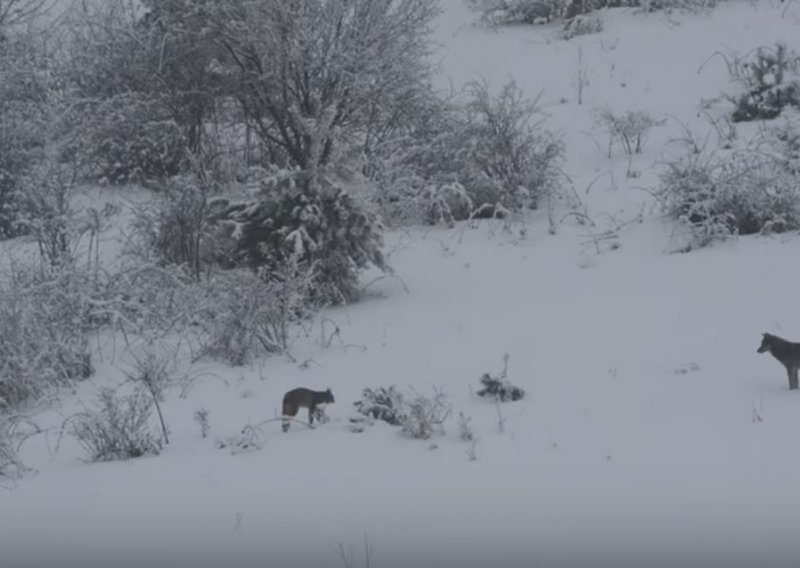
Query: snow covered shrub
pixel 10 465
pixel 46 212
pixel 512 160
pixel 382 403
pixel 43 340
pixel 630 129
pixel 499 388
pixel 132 140
pixel 313 219
pixel 118 428
pixel 145 299
pixel 239 310
pixel 445 203
pixel 754 190
pixel 425 416
pixel 772 82
pixel 478 155
pixel 501 12
pixel 575 7
pixel 581 25
pixel 23 95
pixel 48 216
pixel 176 225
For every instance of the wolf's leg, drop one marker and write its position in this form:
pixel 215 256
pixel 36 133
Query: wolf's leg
pixel 792 372
pixel 311 414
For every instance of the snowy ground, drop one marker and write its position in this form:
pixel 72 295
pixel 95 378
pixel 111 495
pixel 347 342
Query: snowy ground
pixel 652 434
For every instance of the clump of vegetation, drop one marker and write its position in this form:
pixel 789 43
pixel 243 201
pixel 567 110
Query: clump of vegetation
pixel 418 416
pixel 425 416
pixel 11 467
pixel 118 428
pixel 249 440
pixel 317 222
pixel 239 312
pixel 501 12
pixel 481 155
pixel 581 25
pixel 505 12
pixel 382 403
pixel 772 83
pixel 630 130
pixel 132 139
pixel 499 388
pixel 201 417
pixel 44 342
pixel 747 191
pixel 176 226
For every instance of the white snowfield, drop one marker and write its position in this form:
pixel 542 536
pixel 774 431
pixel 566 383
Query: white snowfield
pixel 652 433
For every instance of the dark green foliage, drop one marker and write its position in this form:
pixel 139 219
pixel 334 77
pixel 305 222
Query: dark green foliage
pixel 382 403
pixel 770 86
pixel 499 388
pixel 326 228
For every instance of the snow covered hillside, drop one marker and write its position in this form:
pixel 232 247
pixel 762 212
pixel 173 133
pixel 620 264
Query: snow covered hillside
pixel 651 434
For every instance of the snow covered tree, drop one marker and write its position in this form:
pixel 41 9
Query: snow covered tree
pixel 313 76
pixel 141 71
pixel 320 82
pixel 328 231
pixel 17 12
pixel 24 93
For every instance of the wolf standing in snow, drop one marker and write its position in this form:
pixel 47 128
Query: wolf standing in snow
pixel 787 352
pixel 294 399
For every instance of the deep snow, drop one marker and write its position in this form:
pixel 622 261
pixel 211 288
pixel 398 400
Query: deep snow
pixel 639 443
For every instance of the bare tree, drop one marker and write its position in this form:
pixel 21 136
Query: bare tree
pixel 309 72
pixel 14 12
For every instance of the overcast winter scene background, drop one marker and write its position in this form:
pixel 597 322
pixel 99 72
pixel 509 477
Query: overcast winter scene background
pixel 530 246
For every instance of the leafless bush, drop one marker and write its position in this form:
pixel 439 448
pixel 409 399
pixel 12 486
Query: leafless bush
pixel 503 12
pixel 118 428
pixel 11 467
pixel 242 311
pixel 480 154
pixel 176 226
pixel 44 337
pixel 465 432
pixel 581 25
pixel 515 158
pixel 630 129
pixel 425 416
pixel 752 190
pixel 201 417
pixel 154 374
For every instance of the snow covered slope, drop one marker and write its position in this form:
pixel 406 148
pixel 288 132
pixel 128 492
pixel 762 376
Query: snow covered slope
pixel 652 433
